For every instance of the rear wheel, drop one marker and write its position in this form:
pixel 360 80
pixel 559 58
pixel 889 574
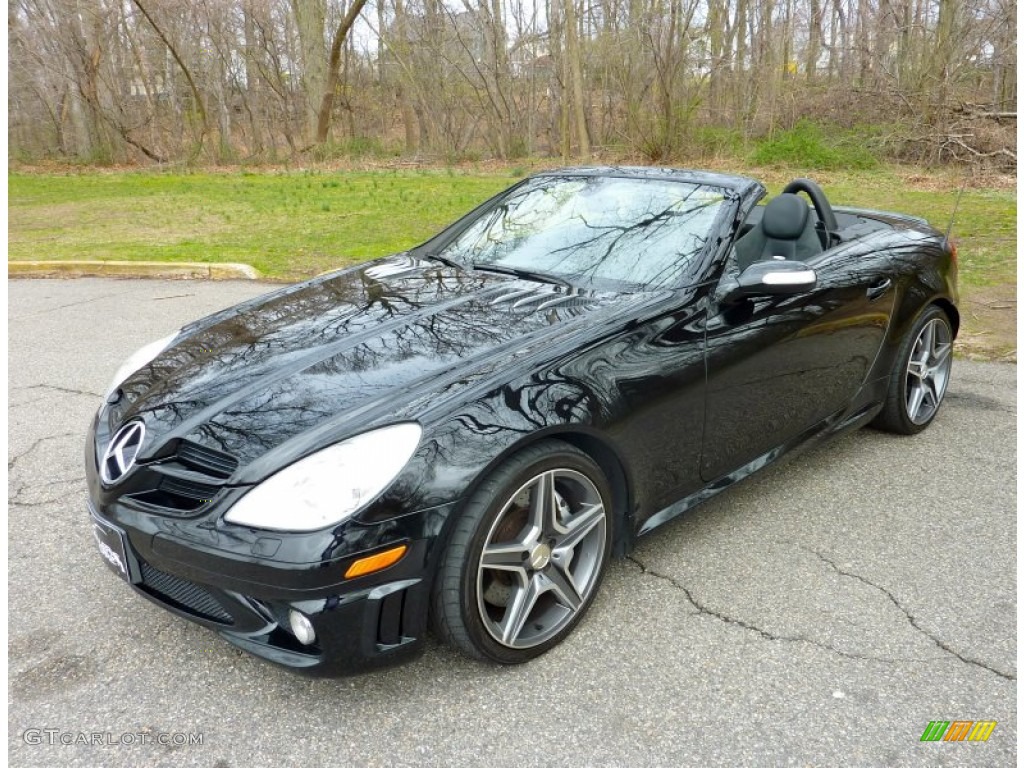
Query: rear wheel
pixel 918 382
pixel 526 556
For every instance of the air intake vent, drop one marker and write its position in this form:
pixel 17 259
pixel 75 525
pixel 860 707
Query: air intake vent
pixel 185 483
pixel 544 301
pixel 206 460
pixel 382 271
pixel 186 489
pixel 512 294
pixel 183 595
pixel 535 300
pixel 389 622
pixel 177 496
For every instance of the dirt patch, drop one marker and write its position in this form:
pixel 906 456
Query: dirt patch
pixel 988 323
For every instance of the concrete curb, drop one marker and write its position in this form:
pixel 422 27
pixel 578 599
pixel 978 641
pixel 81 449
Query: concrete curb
pixel 154 269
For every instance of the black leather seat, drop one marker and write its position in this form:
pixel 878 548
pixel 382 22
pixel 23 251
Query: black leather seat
pixel 786 231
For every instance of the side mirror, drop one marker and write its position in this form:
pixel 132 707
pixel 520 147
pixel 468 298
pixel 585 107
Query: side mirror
pixel 769 278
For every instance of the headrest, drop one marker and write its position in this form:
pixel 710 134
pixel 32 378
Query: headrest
pixel 785 217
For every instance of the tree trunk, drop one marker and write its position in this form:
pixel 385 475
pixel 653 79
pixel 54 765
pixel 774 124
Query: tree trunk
pixel 252 79
pixel 572 45
pixel 309 19
pixel 404 104
pixel 813 41
pixel 196 94
pixel 323 123
pixel 740 70
pixel 863 42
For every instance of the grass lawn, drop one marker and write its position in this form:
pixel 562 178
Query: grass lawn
pixel 287 225
pixel 294 224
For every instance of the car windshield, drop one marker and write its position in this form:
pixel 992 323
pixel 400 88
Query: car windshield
pixel 602 232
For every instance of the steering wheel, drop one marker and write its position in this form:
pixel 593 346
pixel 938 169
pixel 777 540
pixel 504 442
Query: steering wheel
pixel 821 207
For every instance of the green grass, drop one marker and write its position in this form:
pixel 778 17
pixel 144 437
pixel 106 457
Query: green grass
pixel 810 146
pixel 294 224
pixel 285 224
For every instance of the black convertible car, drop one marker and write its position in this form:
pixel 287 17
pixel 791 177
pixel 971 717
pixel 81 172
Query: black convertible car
pixel 463 435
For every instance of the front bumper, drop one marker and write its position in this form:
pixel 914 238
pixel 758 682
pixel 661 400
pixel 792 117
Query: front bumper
pixel 234 582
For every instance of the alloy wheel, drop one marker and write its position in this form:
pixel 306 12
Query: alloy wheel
pixel 928 371
pixel 541 558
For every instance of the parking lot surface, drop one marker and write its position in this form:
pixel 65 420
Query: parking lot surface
pixel 820 613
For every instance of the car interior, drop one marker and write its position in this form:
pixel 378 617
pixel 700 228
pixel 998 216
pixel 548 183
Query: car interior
pixel 787 227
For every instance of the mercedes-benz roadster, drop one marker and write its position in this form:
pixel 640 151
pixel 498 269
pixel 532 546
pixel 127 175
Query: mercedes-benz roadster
pixel 462 435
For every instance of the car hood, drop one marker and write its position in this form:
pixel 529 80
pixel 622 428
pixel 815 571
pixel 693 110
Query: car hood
pixel 283 374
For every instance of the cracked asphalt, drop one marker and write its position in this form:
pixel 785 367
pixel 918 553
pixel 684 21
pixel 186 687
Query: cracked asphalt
pixel 820 613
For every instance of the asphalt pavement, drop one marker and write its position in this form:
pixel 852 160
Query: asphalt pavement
pixel 820 613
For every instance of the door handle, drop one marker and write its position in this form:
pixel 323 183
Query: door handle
pixel 877 289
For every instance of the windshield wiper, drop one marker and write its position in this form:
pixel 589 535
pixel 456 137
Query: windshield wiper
pixel 526 274
pixel 446 261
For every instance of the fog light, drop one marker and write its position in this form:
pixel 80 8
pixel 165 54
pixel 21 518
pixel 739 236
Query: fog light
pixel 302 628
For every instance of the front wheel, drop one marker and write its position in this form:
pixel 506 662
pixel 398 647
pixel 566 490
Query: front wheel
pixel 919 379
pixel 526 556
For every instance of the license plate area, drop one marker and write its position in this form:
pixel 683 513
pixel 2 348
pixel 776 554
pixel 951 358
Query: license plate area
pixel 113 546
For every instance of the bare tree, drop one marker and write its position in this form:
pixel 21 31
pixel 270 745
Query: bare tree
pixel 220 80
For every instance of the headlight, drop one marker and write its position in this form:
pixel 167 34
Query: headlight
pixel 330 485
pixel 138 359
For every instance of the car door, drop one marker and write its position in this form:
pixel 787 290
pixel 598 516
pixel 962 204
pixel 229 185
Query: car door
pixel 778 366
pixel 656 374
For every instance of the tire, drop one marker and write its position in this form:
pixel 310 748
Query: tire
pixel 543 520
pixel 920 376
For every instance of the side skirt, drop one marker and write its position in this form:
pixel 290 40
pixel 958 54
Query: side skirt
pixel 823 430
